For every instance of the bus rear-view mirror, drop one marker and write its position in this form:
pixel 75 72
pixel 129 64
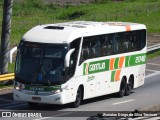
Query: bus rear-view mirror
pixel 67 58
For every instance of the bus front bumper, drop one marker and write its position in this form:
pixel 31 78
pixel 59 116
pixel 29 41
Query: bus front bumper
pixel 30 97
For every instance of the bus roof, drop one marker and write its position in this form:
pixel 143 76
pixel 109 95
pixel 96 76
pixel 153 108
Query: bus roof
pixel 67 32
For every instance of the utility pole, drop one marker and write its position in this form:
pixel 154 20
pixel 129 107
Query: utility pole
pixel 5 37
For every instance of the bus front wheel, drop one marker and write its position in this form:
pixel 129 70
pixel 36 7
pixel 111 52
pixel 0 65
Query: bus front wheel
pixel 78 98
pixel 32 105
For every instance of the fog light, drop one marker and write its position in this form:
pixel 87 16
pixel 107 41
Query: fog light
pixel 19 86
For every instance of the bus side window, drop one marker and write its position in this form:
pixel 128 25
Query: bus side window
pixel 85 51
pixel 143 34
pixel 73 61
pixel 96 47
pixel 129 42
pixel 120 47
pixel 105 45
pixel 138 40
pixel 142 37
pixel 115 44
pixel 134 42
pixel 125 43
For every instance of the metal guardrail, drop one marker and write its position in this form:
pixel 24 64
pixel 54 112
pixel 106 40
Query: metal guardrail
pixel 153 48
pixel 10 76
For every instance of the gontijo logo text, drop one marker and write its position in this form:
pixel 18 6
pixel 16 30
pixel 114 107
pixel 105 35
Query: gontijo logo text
pixel 113 63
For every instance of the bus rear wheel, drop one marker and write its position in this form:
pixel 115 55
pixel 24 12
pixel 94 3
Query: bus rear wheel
pixel 78 98
pixel 129 87
pixel 122 90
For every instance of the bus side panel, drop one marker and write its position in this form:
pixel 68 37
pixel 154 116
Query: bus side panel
pixel 97 84
pixel 141 76
pixel 138 73
pixel 88 81
pixel 89 86
pixel 70 91
pixel 103 83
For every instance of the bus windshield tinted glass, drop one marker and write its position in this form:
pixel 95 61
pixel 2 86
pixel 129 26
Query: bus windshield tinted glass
pixel 40 63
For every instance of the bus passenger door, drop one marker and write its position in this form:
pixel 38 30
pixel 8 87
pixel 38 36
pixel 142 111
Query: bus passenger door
pixel 91 86
pixel 88 83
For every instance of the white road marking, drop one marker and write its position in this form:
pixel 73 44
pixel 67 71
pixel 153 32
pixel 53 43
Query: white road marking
pixel 123 102
pixel 139 118
pixel 153 64
pixel 53 116
pixel 62 114
pixel 153 74
pixel 42 118
pixel 152 70
pixel 154 118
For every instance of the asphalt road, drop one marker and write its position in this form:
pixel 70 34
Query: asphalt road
pixel 143 97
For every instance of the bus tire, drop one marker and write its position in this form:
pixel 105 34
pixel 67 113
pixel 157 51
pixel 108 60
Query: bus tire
pixel 78 98
pixel 32 105
pixel 122 90
pixel 129 86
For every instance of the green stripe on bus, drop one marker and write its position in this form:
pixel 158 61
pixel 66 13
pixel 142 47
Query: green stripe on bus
pixel 137 59
pixel 116 63
pixel 126 61
pixel 107 65
pixel 112 76
pixel 84 68
pixel 103 65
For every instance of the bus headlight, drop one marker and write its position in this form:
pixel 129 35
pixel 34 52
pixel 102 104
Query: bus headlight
pixel 19 86
pixel 59 90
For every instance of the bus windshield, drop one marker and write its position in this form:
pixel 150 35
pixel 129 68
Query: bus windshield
pixel 40 63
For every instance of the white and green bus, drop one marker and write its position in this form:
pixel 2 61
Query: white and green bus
pixel 73 61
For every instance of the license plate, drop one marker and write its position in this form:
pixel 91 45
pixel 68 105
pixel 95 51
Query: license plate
pixel 37 89
pixel 36 98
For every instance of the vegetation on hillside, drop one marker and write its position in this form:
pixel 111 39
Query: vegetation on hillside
pixel 29 13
